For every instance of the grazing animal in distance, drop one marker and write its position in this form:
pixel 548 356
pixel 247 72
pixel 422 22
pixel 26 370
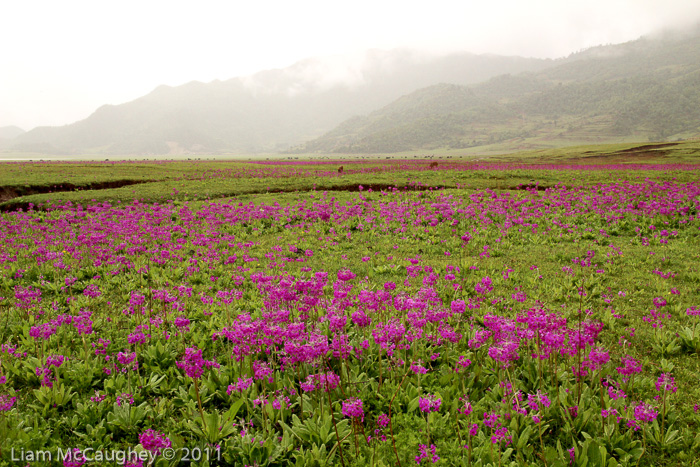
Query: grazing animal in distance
pixel 340 169
pixel 433 165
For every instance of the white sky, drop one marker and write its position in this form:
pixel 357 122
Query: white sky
pixel 60 60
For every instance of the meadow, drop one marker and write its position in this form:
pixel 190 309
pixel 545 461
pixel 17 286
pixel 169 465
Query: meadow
pixel 533 312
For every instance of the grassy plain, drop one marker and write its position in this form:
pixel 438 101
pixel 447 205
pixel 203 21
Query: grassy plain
pixel 486 263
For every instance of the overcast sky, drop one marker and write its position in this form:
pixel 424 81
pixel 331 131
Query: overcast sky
pixel 60 60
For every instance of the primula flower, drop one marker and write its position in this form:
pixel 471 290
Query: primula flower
pixel 44 373
pixel 136 338
pixel 645 413
pixel 466 408
pixel 74 458
pixel 43 331
pixel 182 323
pixel 92 291
pixel 462 363
pixel 55 360
pixel 484 286
pixel 490 419
pixel 501 434
pixel 537 399
pixel 327 382
pixel 418 368
pixel 458 306
pixel 423 453
pixel 345 275
pixel 125 397
pixel 383 420
pixel 519 296
pixel 154 441
pixel 240 386
pixel 630 367
pixel 6 402
pixel 666 383
pixel 97 398
pixel 597 358
pixel 429 404
pixel 353 408
pixel 193 364
pixel 127 360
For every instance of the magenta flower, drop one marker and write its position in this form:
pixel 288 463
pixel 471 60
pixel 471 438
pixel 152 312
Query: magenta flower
pixel 127 361
pixel 418 368
pixel 423 453
pixel 629 367
pixel 193 364
pixel 597 358
pixel 136 338
pixel 154 441
pixel 458 306
pixel 6 402
pixel 182 323
pixel 43 331
pixel 92 291
pixel 325 381
pixel 484 286
pixel 74 458
pixel 125 398
pixel 466 408
pixel 428 404
pixel 462 363
pixel 666 383
pixel 537 399
pixel 501 434
pixel 55 360
pixel 645 413
pixel 345 275
pixel 240 386
pixel 353 408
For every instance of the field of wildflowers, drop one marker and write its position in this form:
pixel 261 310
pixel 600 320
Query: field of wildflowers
pixel 468 318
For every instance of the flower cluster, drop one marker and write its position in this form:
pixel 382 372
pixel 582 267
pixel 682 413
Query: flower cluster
pixel 423 453
pixel 154 441
pixel 428 404
pixel 353 408
pixel 193 364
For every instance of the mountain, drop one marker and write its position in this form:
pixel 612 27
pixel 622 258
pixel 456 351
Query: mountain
pixel 268 111
pixel 648 88
pixel 8 134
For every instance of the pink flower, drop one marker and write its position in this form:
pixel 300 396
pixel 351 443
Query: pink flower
pixel 429 404
pixel 193 364
pixel 666 383
pixel 6 402
pixel 353 408
pixel 154 441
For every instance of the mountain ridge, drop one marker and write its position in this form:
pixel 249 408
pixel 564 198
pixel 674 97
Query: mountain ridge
pixel 645 89
pixel 268 111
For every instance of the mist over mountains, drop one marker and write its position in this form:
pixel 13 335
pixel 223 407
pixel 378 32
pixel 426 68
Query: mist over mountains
pixel 647 89
pixel 402 100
